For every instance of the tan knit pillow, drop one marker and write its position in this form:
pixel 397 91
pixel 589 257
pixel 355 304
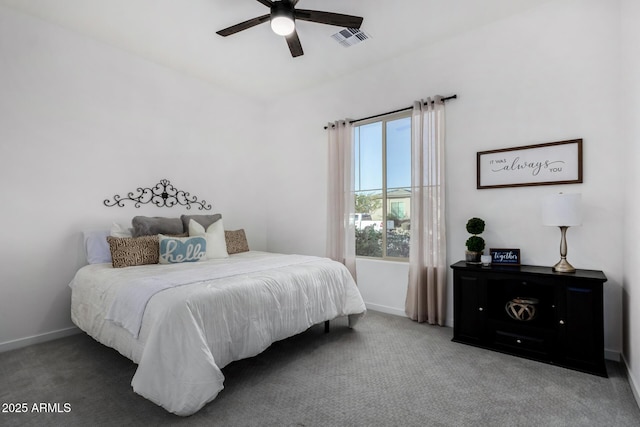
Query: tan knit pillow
pixel 130 251
pixel 236 241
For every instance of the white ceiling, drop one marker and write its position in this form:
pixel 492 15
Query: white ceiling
pixel 181 34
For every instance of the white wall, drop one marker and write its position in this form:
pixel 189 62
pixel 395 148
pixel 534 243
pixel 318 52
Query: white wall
pixel 81 122
pixel 549 74
pixel 630 90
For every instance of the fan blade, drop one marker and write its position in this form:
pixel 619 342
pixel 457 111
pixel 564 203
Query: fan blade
pixel 267 3
pixel 294 44
pixel 329 18
pixel 244 25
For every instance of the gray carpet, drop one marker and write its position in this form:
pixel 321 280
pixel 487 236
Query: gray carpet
pixel 389 371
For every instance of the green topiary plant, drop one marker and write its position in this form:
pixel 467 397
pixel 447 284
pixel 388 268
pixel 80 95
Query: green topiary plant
pixel 475 244
pixel 475 226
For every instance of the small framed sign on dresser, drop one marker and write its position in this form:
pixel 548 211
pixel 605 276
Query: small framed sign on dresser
pixel 505 256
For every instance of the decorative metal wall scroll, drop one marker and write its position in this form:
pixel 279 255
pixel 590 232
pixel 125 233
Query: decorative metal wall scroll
pixel 163 194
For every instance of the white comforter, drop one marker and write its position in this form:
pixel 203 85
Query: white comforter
pixel 188 332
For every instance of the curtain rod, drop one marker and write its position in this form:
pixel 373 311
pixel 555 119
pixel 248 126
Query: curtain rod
pixel 393 112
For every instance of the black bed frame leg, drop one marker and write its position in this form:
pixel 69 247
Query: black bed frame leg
pixel 326 326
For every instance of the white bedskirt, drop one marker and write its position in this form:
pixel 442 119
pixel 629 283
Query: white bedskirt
pixel 189 332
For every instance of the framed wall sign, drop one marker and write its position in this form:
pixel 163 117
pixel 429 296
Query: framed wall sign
pixel 505 256
pixel 541 164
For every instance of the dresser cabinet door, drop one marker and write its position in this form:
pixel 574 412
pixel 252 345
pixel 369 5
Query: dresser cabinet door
pixel 470 296
pixel 581 328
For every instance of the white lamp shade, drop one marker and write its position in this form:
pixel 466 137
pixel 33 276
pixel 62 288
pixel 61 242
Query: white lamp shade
pixel 562 210
pixel 282 25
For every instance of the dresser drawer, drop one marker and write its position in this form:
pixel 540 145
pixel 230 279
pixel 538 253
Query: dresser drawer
pixel 521 343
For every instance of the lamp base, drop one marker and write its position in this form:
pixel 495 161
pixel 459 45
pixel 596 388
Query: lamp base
pixel 563 266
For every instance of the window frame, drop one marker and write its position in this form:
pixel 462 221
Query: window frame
pixel 384 119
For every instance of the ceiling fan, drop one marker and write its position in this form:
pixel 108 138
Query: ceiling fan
pixel 283 16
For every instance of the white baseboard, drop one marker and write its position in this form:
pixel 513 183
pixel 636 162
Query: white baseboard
pixel 385 309
pixel 612 355
pixel 633 384
pixel 36 339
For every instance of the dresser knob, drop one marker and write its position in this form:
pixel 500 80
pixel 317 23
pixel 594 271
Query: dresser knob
pixel 562 322
pixel 519 342
pixel 524 283
pixel 481 309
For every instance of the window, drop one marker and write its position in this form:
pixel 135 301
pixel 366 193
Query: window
pixel 382 156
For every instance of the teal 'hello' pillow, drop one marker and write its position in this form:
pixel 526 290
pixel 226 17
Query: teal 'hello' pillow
pixel 181 249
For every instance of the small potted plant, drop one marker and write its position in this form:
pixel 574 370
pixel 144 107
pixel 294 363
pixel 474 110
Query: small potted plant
pixel 475 244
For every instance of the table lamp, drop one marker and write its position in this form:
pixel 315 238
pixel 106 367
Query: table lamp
pixel 562 210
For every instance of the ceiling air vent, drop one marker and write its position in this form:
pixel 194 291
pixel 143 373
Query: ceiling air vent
pixel 350 36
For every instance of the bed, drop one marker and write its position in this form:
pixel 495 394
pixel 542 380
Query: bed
pixel 183 322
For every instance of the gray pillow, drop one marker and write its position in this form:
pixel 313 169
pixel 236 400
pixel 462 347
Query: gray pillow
pixel 150 226
pixel 203 220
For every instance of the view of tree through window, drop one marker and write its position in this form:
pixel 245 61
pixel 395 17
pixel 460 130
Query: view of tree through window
pixel 383 187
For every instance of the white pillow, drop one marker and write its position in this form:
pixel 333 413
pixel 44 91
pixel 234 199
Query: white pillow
pixel 216 243
pixel 96 246
pixel 119 231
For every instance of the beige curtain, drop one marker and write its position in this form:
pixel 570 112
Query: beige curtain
pixel 341 240
pixel 426 292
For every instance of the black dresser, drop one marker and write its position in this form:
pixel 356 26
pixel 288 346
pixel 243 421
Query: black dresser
pixel 532 312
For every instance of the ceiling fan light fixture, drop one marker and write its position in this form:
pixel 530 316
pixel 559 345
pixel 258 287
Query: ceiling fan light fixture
pixel 282 22
pixel 282 25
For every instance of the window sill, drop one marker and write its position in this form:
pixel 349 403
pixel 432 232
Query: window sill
pixel 375 259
